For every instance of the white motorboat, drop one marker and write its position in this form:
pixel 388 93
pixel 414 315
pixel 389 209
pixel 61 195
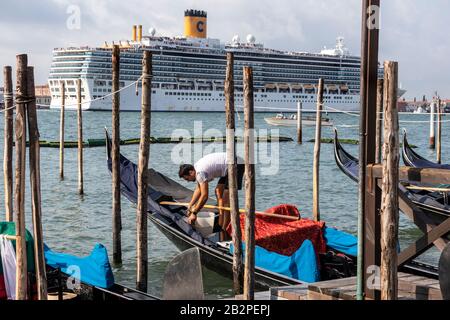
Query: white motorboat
pixel 291 121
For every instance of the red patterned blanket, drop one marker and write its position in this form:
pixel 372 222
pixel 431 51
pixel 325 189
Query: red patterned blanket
pixel 285 236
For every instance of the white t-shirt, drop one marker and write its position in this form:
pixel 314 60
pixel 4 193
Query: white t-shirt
pixel 211 166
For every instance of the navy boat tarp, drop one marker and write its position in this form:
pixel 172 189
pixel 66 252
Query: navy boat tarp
pixel 93 269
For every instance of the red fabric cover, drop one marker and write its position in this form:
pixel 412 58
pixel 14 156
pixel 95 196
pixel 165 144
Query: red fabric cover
pixel 3 295
pixel 285 236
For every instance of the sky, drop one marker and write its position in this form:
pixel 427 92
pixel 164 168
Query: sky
pixel 412 32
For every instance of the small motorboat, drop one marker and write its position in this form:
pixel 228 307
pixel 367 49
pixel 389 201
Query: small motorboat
pixel 291 121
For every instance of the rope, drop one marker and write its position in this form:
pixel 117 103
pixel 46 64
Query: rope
pixel 105 96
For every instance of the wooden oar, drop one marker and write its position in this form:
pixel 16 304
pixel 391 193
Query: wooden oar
pixel 208 206
pixel 428 188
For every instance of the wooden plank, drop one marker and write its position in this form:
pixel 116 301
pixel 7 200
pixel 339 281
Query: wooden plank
pixel 424 243
pixel 423 175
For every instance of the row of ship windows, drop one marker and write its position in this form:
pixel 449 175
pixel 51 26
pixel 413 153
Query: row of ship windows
pixel 256 100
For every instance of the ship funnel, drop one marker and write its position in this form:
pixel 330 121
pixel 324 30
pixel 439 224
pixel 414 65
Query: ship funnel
pixel 195 24
pixel 134 35
pixel 139 37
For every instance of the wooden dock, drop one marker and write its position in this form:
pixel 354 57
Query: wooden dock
pixel 410 287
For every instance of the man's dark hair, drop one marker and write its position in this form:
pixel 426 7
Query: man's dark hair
pixel 184 170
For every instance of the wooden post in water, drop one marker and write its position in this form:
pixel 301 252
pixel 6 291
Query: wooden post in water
pixel 316 209
pixel 379 125
pixel 249 158
pixel 8 145
pixel 144 154
pixel 389 197
pixel 299 123
pixel 35 186
pixel 439 131
pixel 115 150
pixel 432 130
pixel 232 176
pixel 61 131
pixel 19 188
pixel 80 139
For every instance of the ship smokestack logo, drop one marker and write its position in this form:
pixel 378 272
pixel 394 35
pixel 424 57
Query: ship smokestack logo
pixel 195 25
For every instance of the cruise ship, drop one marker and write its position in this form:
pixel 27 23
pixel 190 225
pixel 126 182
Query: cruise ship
pixel 189 73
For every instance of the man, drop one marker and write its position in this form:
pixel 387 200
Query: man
pixel 204 171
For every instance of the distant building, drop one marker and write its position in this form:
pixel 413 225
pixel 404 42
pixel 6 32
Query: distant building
pixel 43 96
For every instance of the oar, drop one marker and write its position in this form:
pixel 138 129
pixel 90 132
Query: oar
pixel 428 188
pixel 208 206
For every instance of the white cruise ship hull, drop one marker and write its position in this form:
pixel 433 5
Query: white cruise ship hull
pixel 206 101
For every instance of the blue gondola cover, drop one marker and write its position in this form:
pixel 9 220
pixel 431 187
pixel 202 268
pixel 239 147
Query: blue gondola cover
pixel 93 269
pixel 341 241
pixel 302 265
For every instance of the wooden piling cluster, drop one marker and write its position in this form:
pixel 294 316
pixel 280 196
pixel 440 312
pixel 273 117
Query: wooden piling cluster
pixel 232 174
pixel 379 124
pixel 26 117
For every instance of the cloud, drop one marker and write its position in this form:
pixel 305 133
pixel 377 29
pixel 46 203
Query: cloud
pixel 413 32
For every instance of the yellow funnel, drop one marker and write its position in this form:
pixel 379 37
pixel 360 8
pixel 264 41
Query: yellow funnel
pixel 134 33
pixel 195 24
pixel 139 37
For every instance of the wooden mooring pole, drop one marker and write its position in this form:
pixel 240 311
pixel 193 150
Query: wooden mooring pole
pixel 61 131
pixel 368 204
pixel 8 145
pixel 232 174
pixel 389 197
pixel 115 150
pixel 439 131
pixel 35 186
pixel 80 139
pixel 316 166
pixel 432 126
pixel 299 123
pixel 144 154
pixel 19 186
pixel 249 158
pixel 379 125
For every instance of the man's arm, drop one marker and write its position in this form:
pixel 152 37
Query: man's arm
pixel 195 196
pixel 203 187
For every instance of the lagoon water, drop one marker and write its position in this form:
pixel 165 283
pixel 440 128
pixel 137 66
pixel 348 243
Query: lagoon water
pixel 73 224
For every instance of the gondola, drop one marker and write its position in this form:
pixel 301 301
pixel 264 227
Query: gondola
pixel 432 203
pixel 170 220
pixel 413 159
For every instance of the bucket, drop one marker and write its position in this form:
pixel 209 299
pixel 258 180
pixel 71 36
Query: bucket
pixel 205 223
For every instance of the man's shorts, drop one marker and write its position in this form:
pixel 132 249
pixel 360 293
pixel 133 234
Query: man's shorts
pixel 240 176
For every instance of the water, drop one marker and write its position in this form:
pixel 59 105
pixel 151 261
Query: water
pixel 73 224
